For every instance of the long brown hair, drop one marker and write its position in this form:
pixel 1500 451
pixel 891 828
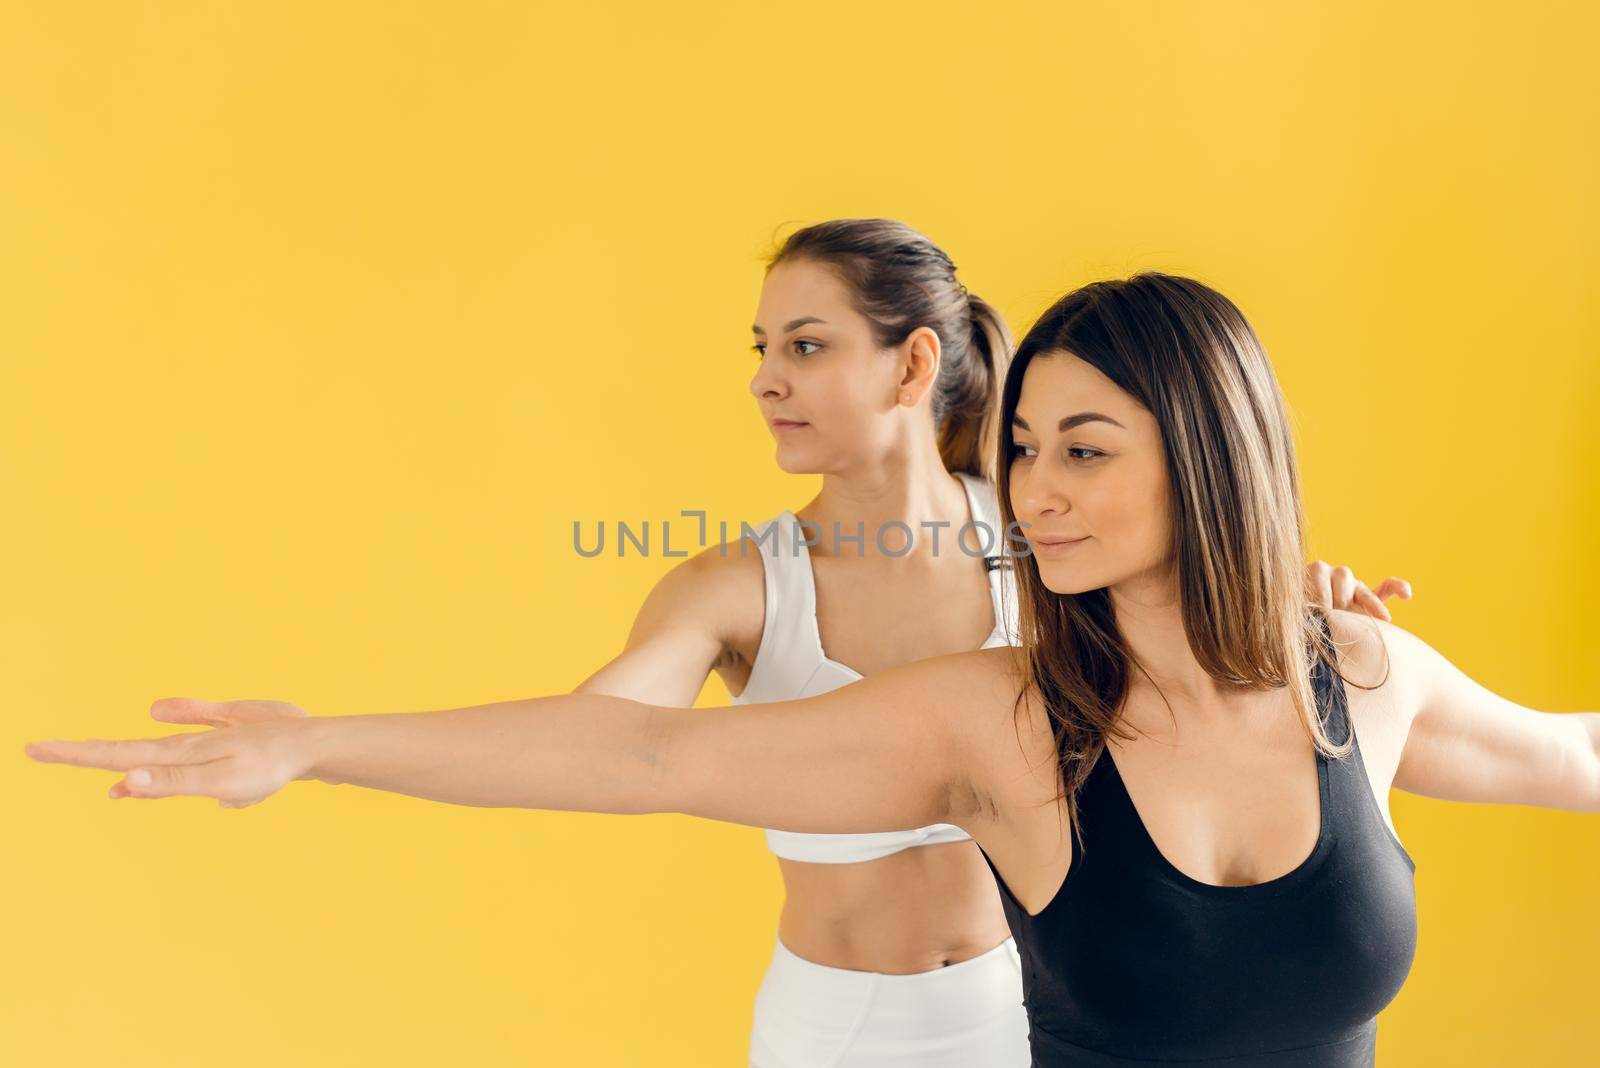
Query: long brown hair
pixel 899 280
pixel 1185 353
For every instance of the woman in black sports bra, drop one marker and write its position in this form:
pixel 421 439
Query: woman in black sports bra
pixel 1134 955
pixel 1284 958
pixel 1165 778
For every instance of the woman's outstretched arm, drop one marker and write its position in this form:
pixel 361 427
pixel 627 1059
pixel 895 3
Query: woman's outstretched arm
pixel 1467 743
pixel 889 752
pixel 685 628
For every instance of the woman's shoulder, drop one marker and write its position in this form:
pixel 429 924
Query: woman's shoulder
pixel 719 589
pixel 1375 652
pixel 1384 668
pixel 967 696
pixel 968 683
pixel 985 699
pixel 1358 644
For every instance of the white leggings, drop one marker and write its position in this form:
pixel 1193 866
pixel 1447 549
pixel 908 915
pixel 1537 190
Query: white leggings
pixel 809 1015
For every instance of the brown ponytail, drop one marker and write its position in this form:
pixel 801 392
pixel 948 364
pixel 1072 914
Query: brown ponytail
pixel 899 280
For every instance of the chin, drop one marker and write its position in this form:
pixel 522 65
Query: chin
pixel 1064 579
pixel 794 462
pixel 1065 588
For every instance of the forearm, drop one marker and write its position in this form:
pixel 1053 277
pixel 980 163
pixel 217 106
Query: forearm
pixel 580 752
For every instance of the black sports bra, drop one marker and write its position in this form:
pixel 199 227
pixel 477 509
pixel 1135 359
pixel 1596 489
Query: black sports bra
pixel 1133 962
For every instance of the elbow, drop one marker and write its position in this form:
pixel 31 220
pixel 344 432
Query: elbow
pixel 685 772
pixel 659 753
pixel 618 758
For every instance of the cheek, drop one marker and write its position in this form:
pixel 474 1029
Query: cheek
pixel 1131 515
pixel 1152 518
pixel 854 406
pixel 834 389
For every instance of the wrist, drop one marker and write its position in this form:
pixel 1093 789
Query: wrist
pixel 311 746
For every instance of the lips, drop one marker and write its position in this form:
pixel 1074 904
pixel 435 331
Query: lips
pixel 1053 546
pixel 786 424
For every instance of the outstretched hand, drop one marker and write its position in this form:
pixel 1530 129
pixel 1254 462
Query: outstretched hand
pixel 253 750
pixel 1337 587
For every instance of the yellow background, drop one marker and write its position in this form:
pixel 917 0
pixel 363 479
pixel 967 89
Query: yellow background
pixel 320 324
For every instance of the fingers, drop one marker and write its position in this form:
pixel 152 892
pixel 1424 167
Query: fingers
pixel 1394 587
pixel 1343 583
pixel 1338 588
pixel 1319 583
pixel 113 755
pixel 1367 601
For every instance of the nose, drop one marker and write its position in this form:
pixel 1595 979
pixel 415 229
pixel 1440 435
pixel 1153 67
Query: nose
pixel 767 383
pixel 1037 491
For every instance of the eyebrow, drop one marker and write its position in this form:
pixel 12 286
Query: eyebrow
pixel 793 324
pixel 1070 421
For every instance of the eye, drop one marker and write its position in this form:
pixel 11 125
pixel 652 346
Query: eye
pixel 759 349
pixel 814 345
pixel 1083 452
pixel 1020 451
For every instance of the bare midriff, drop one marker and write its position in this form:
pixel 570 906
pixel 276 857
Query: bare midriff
pixel 913 911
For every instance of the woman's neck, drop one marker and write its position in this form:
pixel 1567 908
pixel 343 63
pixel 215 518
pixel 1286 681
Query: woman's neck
pixel 1149 614
pixel 912 488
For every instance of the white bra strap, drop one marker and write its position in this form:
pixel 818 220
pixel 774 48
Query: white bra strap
pixel 801 587
pixel 791 646
pixel 1000 564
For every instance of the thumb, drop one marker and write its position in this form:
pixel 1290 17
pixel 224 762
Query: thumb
pixel 190 710
pixel 221 713
pixel 173 780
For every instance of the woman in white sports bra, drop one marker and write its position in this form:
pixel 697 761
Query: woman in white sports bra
pixel 880 371
pixel 959 1011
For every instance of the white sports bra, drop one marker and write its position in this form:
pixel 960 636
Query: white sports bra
pixel 790 662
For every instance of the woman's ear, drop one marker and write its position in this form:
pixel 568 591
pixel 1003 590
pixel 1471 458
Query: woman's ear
pixel 919 365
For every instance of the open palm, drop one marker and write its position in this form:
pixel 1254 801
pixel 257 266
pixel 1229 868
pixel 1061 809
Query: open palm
pixel 250 753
